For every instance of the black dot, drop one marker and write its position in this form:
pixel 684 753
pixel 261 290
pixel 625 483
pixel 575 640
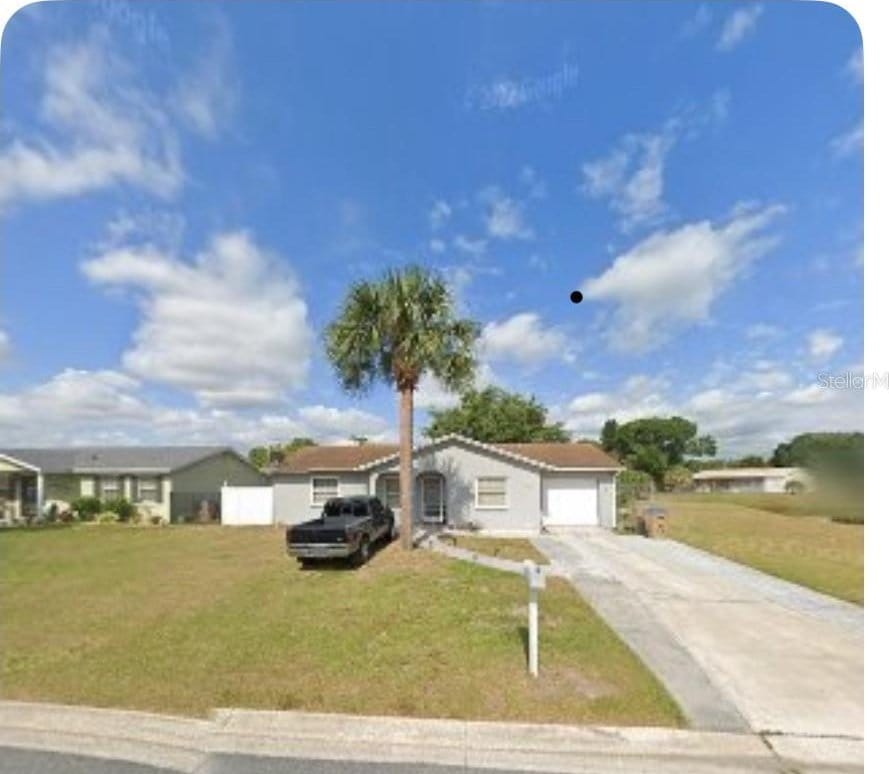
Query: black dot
pixel 576 296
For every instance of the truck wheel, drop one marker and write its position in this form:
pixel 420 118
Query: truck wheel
pixel 363 553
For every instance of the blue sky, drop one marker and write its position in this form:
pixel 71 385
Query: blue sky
pixel 188 189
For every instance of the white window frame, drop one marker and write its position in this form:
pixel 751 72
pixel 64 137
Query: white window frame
pixel 155 486
pixel 118 489
pixel 505 505
pixel 313 495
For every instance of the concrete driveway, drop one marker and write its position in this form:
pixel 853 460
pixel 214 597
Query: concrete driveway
pixel 725 638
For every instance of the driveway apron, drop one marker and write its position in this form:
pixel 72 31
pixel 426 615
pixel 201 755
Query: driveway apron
pixel 736 647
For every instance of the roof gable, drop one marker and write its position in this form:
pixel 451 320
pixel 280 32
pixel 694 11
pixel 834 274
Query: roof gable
pixel 544 456
pixel 114 458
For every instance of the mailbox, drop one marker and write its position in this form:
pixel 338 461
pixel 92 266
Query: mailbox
pixel 535 576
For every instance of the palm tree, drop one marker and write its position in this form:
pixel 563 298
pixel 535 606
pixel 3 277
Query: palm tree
pixel 394 331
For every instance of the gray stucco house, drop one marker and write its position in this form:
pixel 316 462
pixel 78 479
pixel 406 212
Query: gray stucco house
pixel 513 487
pixel 171 482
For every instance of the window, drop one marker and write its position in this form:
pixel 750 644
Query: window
pixel 110 488
pixel 87 487
pixel 147 490
pixel 323 489
pixel 390 491
pixel 490 493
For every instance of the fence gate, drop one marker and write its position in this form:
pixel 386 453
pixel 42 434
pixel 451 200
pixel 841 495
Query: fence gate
pixel 247 505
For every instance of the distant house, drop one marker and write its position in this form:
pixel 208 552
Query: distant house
pixel 172 482
pixel 508 487
pixel 751 480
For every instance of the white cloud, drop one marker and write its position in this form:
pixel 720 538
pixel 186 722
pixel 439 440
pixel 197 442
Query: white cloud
pixel 701 19
pixel 739 25
pixel 70 402
pixel 110 130
pixel 823 344
pixel 107 407
pixel 437 246
pixel 325 422
pixel 631 176
pixel 439 214
pixel 231 326
pixel 849 142
pixel 431 394
pixel 524 339
pixel 670 280
pixel 504 216
pixel 743 416
pixel 762 331
pixel 207 95
pixel 855 65
pixel 4 346
pixel 638 396
pixel 474 247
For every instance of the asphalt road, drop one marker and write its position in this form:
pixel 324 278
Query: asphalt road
pixel 18 761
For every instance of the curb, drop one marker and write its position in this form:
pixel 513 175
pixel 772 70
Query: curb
pixel 188 744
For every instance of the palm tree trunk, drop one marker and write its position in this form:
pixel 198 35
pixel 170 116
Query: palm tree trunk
pixel 406 477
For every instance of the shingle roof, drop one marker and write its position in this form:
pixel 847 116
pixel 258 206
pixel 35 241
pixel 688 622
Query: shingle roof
pixel 562 455
pixel 343 458
pixel 114 458
pixel 310 458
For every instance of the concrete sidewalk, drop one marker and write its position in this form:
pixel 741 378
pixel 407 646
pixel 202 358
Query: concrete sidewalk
pixel 192 745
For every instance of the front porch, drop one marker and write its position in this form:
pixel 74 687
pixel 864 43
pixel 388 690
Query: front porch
pixel 21 491
pixel 430 496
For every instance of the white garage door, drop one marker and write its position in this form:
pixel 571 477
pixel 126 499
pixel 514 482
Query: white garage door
pixel 571 501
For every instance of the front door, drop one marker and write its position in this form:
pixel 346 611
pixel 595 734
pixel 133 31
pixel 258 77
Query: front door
pixel 432 504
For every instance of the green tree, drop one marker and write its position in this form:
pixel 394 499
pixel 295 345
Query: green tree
pixel 259 456
pixel 677 478
pixel 750 461
pixel 608 436
pixel 262 456
pixel 493 415
pixel 393 331
pixel 654 444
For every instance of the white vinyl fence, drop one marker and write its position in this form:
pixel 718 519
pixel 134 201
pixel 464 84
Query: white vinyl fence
pixel 243 505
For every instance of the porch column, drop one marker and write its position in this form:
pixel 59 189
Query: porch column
pixel 39 495
pixel 17 498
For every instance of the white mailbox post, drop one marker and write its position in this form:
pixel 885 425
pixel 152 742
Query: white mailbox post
pixel 536 581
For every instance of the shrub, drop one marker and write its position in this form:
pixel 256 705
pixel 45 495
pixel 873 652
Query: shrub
pixel 677 479
pixel 87 508
pixel 124 509
pixel 50 513
pixel 107 517
pixel 633 485
pixel 794 487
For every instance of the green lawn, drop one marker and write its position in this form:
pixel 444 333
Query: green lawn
pixel 182 619
pixel 517 549
pixel 778 534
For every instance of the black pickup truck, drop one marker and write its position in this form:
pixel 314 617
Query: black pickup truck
pixel 348 528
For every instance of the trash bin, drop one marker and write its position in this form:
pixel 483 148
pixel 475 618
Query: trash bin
pixel 653 521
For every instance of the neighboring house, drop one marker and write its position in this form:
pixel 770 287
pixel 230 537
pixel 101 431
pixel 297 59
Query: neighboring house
pixel 173 482
pixel 751 479
pixel 512 487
